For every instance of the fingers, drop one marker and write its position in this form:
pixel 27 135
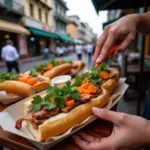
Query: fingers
pixel 86 137
pixel 128 40
pixel 105 49
pixel 81 143
pixel 116 118
pixel 99 46
pixel 101 144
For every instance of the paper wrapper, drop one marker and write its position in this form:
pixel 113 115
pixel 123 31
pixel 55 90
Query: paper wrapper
pixel 12 113
pixel 7 99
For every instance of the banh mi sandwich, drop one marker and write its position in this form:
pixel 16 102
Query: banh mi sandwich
pixel 63 107
pixel 55 68
pixel 23 85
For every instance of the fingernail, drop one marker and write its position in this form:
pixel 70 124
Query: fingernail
pixel 96 110
pixel 99 59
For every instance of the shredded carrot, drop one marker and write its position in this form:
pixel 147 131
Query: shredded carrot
pixel 69 103
pixel 85 85
pixel 104 75
pixel 49 66
pixel 92 89
pixel 26 76
pixel 32 80
pixel 86 91
pixel 80 89
pixel 22 79
pixel 52 100
pixel 59 62
pixel 97 65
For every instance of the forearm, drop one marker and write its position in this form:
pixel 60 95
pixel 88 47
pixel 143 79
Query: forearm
pixel 143 23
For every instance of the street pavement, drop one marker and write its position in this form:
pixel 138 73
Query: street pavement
pixel 123 106
pixel 30 65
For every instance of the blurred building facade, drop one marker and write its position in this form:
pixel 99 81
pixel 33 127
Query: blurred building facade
pixel 39 20
pixel 79 30
pixel 11 12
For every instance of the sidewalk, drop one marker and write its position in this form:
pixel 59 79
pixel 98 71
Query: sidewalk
pixel 27 60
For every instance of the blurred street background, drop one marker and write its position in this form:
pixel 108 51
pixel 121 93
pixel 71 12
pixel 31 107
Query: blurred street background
pixel 69 29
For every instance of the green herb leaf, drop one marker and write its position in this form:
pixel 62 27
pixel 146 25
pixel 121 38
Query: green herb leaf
pixel 36 103
pixel 8 76
pixel 59 100
pixel 40 67
pixel 33 74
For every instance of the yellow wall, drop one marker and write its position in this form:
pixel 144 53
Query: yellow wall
pixel 26 4
pixel 72 30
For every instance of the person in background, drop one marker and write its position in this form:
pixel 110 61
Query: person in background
pixel 64 48
pixel 11 57
pixel 59 51
pixel 130 132
pixel 89 49
pixel 46 53
pixel 79 49
pixel 70 48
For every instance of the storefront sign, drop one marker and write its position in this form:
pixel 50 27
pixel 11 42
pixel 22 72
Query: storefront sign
pixel 35 24
pixel 22 44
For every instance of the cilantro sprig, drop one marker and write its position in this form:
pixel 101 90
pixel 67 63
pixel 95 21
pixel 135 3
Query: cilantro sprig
pixel 58 94
pixel 51 61
pixel 33 74
pixel 93 76
pixel 38 102
pixel 8 76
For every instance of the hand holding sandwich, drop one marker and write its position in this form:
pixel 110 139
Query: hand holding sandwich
pixel 129 132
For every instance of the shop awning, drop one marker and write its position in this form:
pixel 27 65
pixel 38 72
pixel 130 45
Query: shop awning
pixel 13 27
pixel 110 21
pixel 65 38
pixel 118 4
pixel 43 33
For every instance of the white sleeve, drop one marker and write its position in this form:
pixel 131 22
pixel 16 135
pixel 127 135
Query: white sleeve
pixel 16 53
pixel 2 53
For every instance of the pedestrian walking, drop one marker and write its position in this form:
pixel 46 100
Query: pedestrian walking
pixel 89 49
pixel 79 49
pixel 11 57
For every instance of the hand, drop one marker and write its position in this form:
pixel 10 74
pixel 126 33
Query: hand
pixel 129 132
pixel 122 31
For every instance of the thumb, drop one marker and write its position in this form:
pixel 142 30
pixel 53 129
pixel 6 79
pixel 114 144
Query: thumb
pixel 107 115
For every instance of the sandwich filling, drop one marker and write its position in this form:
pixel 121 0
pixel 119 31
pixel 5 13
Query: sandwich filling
pixel 42 68
pixel 32 78
pixel 64 99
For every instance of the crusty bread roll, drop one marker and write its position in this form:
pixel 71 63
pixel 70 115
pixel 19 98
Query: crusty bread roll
pixel 60 123
pixel 17 88
pixel 58 70
pixel 80 65
pixel 40 86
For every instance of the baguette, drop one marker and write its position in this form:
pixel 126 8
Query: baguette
pixel 23 89
pixel 61 122
pixel 17 88
pixel 79 66
pixel 58 70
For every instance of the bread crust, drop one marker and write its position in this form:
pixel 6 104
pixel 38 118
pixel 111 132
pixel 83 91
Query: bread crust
pixel 58 70
pixel 80 65
pixel 60 125
pixel 17 88
pixel 22 89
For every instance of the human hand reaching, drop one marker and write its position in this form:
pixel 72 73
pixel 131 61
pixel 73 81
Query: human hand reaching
pixel 129 132
pixel 122 31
